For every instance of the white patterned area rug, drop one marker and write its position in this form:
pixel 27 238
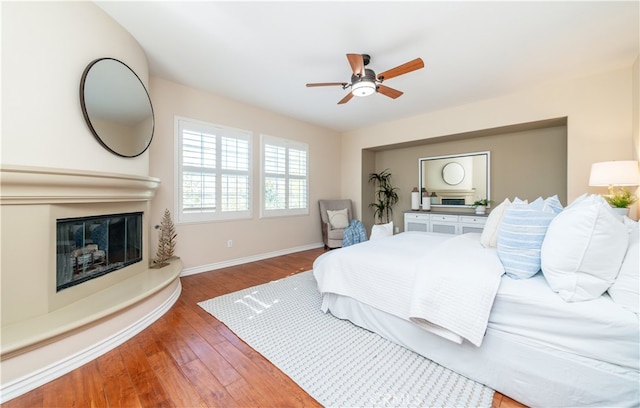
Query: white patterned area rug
pixel 334 361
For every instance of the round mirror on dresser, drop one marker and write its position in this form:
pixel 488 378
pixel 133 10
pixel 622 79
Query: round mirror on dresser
pixel 117 107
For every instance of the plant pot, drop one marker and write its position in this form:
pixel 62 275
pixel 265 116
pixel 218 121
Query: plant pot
pixel 621 211
pixel 481 209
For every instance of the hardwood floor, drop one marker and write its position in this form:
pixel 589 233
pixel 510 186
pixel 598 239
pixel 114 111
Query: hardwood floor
pixel 187 358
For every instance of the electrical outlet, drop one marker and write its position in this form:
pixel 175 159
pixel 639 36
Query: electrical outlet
pixel 230 243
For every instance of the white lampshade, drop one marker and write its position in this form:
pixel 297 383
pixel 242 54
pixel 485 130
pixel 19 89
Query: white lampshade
pixel 615 173
pixel 363 88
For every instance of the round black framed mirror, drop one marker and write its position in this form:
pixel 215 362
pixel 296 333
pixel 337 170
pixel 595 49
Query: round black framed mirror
pixel 117 107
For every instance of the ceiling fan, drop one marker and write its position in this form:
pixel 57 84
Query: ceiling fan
pixel 364 81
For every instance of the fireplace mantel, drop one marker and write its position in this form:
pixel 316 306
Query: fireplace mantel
pixel 45 332
pixel 41 185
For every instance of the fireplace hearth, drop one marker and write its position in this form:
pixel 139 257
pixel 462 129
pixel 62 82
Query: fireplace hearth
pixel 90 247
pixel 50 326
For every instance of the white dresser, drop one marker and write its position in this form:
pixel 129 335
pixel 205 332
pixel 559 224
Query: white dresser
pixel 447 223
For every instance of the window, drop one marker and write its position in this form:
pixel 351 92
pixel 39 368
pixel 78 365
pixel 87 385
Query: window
pixel 214 172
pixel 285 177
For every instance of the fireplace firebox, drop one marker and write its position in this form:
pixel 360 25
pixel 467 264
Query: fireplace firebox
pixel 90 247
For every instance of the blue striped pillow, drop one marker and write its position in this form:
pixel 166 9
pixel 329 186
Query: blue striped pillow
pixel 521 233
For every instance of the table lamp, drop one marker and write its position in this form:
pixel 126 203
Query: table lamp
pixel 614 174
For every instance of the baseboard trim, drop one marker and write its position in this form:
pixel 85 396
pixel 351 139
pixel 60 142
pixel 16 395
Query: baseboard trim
pixel 46 374
pixel 239 261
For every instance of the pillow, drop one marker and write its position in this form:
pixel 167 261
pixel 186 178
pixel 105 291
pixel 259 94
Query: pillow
pixel 624 290
pixel 521 233
pixel 489 237
pixel 583 250
pixel 338 219
pixel 381 231
pixel 553 203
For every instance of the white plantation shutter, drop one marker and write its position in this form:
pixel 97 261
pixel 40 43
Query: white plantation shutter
pixel 213 172
pixel 284 177
pixel 297 178
pixel 274 168
pixel 198 171
pixel 235 174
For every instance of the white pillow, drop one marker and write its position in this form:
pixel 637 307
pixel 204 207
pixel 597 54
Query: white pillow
pixel 583 250
pixel 381 231
pixel 338 219
pixel 625 290
pixel 521 233
pixel 489 237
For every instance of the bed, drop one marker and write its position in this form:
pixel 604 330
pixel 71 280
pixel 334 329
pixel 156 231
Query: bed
pixel 533 346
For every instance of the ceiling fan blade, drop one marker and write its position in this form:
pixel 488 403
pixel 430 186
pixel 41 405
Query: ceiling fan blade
pixel 342 84
pixel 401 69
pixel 357 64
pixel 390 92
pixel 346 99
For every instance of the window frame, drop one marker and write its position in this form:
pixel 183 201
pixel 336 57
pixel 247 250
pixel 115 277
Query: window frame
pixel 221 131
pixel 287 144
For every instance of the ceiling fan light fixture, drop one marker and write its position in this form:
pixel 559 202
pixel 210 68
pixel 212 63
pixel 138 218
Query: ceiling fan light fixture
pixel 365 82
pixel 363 88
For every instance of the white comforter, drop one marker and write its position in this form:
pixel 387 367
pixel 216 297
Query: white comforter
pixel 445 284
pixel 453 296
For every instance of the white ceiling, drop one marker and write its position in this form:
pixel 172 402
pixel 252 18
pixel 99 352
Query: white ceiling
pixel 263 53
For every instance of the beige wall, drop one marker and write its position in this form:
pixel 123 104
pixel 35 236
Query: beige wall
pixel 204 246
pixel 635 109
pixel 599 126
pixel 45 48
pixel 513 156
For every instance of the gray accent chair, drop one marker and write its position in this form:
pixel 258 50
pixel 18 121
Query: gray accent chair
pixel 331 237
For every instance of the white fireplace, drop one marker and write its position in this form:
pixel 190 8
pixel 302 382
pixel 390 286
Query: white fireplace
pixel 46 331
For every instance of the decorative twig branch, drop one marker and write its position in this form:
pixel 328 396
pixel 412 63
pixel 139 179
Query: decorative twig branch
pixel 166 240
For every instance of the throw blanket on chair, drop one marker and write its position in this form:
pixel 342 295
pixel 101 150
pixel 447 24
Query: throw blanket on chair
pixel 354 233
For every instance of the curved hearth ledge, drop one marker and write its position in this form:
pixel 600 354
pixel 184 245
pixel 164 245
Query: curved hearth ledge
pixel 86 321
pixel 39 350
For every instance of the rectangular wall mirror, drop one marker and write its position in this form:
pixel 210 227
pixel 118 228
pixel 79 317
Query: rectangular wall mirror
pixel 457 180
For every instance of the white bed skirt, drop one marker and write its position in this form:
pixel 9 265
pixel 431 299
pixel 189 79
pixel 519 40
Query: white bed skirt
pixel 530 373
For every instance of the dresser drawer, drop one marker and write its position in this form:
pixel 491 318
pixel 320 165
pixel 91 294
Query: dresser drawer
pixel 415 216
pixel 443 217
pixel 443 223
pixel 468 219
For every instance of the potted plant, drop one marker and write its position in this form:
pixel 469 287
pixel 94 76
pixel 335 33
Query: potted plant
pixel 481 205
pixel 386 196
pixel 621 200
